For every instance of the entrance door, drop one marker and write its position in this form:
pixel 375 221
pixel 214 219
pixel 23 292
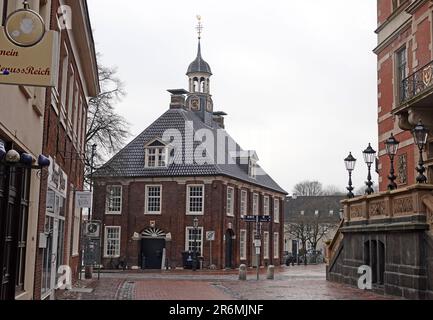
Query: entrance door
pixel 229 249
pixel 151 253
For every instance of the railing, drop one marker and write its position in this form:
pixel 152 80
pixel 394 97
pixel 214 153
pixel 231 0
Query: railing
pixel 335 244
pixel 417 83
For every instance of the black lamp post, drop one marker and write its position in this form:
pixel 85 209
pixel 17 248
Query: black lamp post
pixel 194 253
pixel 350 162
pixel 420 134
pixel 369 158
pixel 391 149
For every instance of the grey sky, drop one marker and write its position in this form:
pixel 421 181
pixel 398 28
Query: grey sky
pixel 297 78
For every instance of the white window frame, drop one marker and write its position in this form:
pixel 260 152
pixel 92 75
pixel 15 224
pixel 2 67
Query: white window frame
pixel 266 206
pixel 266 245
pixel 252 169
pixel 158 153
pixel 187 229
pixel 244 202
pixel 243 242
pixel 106 241
pixel 108 195
pixel 256 204
pixel 146 202
pixel 188 200
pixel 230 202
pixel 276 245
pixel 276 210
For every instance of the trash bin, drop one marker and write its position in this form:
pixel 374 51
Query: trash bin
pixel 187 259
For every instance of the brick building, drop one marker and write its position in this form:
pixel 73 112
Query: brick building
pixel 65 124
pixel 392 231
pixel 405 68
pixel 186 166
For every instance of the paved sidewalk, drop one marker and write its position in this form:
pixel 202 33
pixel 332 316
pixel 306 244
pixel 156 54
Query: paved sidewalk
pixel 291 283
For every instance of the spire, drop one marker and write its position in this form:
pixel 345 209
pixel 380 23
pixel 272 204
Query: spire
pixel 199 65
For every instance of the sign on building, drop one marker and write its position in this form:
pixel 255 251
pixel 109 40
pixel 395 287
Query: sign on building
pixel 83 199
pixel 210 236
pixel 33 66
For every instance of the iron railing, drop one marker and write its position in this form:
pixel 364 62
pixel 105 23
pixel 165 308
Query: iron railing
pixel 417 83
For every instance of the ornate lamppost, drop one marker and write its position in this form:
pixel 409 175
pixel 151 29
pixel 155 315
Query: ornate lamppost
pixel 369 158
pixel 194 252
pixel 350 162
pixel 391 149
pixel 420 135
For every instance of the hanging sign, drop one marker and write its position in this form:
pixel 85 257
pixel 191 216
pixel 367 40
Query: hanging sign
pixel 25 28
pixel 83 199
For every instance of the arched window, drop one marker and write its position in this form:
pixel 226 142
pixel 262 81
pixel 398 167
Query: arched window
pixel 196 85
pixel 203 85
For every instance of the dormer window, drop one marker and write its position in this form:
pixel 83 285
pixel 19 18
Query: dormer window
pixel 252 169
pixel 156 155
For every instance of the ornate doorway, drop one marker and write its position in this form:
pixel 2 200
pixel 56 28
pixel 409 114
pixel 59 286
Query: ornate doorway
pixel 152 250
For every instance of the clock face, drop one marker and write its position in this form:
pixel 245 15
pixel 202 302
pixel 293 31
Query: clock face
pixel 25 28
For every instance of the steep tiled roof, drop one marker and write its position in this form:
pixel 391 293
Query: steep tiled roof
pixel 130 162
pixel 309 205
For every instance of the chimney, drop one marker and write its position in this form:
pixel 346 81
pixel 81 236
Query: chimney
pixel 177 98
pixel 218 117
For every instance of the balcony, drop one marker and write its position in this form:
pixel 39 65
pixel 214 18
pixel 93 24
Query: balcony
pixel 416 99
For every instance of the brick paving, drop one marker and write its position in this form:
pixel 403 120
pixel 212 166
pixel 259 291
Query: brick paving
pixel 291 283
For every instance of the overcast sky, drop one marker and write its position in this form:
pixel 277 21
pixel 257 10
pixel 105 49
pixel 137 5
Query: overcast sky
pixel 297 78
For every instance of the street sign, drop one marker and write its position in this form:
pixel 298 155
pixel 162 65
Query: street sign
pixel 92 252
pixel 257 218
pixel 210 236
pixel 83 199
pixel 92 229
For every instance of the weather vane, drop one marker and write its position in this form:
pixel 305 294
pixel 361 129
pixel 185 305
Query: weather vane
pixel 199 27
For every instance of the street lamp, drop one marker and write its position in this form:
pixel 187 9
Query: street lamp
pixel 391 149
pixel 194 261
pixel 350 162
pixel 420 134
pixel 369 158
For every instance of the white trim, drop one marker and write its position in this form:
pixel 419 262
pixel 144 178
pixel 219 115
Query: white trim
pixel 256 206
pixel 146 200
pixel 187 238
pixel 188 190
pixel 157 154
pixel 107 195
pixel 277 246
pixel 245 202
pixel 230 209
pixel 277 212
pixel 243 246
pixel 266 239
pixel 266 209
pixel 105 241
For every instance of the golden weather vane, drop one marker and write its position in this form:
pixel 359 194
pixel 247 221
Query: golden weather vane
pixel 199 26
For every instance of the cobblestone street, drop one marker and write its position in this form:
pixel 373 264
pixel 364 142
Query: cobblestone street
pixel 291 283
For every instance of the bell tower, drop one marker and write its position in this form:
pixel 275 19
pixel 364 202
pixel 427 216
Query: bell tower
pixel 199 72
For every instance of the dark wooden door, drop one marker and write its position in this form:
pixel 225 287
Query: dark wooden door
pixel 229 249
pixel 151 253
pixel 9 220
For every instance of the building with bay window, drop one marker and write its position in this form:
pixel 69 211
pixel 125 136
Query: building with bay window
pixel 183 167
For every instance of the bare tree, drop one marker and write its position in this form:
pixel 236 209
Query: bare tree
pixel 332 190
pixel 299 230
pixel 317 231
pixel 105 127
pixel 308 188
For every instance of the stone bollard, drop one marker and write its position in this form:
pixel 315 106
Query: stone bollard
pixel 271 273
pixel 243 272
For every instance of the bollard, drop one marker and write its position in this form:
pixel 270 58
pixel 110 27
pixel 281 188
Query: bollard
pixel 243 272
pixel 271 273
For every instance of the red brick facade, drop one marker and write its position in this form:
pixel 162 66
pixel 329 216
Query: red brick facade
pixel 174 220
pixel 404 26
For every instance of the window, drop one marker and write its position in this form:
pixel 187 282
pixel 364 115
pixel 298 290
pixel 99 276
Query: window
pixel 276 245
pixel 114 200
pixel 112 242
pixel 266 211
pixel 316 213
pixel 190 240
pixel 255 204
pixel 276 211
pixel 156 157
pixel 243 245
pixel 252 169
pixel 195 200
pixel 401 64
pixel 153 200
pixel 266 245
pixel 302 212
pixel 230 201
pixel 331 212
pixel 76 232
pixel 244 203
pixel 396 4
